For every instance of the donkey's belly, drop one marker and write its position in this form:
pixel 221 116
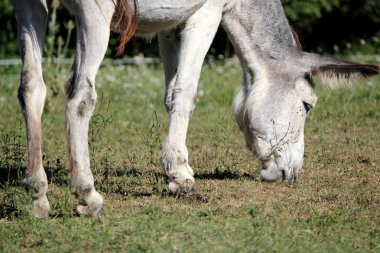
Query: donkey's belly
pixel 159 15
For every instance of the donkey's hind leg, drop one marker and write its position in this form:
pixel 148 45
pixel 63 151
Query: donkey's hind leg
pixel 31 27
pixel 93 29
pixel 182 53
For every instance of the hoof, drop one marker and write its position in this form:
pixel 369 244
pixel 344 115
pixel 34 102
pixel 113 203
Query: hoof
pixel 41 208
pixel 93 206
pixel 82 210
pixel 187 187
pixel 187 191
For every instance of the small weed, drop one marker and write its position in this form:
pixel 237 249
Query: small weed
pixel 160 187
pixel 9 203
pixel 152 139
pixel 56 49
pixel 98 124
pixel 12 156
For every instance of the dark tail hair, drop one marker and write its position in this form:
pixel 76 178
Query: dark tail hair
pixel 126 21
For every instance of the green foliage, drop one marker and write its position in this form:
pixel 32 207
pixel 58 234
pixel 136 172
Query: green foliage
pixel 336 26
pixel 7 32
pixel 56 47
pixel 52 38
pixel 311 10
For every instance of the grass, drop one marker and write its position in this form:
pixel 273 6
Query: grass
pixel 334 208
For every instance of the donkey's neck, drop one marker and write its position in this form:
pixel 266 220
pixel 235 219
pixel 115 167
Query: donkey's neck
pixel 260 33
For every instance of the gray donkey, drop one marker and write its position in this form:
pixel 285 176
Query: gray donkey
pixel 271 107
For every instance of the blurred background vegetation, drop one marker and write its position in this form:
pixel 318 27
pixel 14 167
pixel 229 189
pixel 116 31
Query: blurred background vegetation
pixel 329 26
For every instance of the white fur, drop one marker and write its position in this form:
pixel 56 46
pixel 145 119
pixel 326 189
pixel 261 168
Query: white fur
pixel 335 80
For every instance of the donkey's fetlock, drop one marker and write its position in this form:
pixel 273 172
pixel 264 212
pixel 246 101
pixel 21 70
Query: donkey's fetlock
pixel 36 188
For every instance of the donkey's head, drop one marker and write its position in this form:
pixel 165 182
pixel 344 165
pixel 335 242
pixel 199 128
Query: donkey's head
pixel 272 108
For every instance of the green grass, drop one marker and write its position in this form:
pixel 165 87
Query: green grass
pixel 334 208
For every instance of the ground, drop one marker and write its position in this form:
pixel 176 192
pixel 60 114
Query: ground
pixel 334 208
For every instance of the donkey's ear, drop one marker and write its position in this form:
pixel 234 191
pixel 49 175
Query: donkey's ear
pixel 335 73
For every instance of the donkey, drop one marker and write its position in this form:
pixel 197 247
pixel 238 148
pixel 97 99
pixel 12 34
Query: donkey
pixel 270 108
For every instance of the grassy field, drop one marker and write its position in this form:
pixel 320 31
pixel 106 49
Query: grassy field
pixel 334 208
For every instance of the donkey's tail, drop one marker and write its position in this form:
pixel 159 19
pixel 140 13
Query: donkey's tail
pixel 126 21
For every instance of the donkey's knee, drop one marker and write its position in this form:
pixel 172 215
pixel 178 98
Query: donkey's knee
pixel 83 105
pixel 181 100
pixel 32 92
pixel 81 96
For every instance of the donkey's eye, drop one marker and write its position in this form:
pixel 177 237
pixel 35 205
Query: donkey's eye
pixel 309 79
pixel 307 106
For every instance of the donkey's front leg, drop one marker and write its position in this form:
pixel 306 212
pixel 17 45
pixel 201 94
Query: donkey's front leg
pixel 183 53
pixel 31 21
pixel 93 21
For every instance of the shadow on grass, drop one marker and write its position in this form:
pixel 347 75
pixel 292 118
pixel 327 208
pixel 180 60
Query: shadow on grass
pixel 14 176
pixel 222 175
pixel 8 209
pixel 132 193
pixel 57 174
pixel 11 176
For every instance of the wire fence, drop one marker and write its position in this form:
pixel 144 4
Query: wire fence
pixel 69 61
pixel 152 61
